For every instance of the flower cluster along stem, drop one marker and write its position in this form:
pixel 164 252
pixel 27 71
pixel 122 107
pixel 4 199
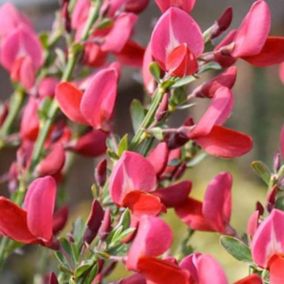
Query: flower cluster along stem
pixel 74 54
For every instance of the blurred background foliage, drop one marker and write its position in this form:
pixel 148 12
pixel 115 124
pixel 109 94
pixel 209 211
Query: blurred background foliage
pixel 259 111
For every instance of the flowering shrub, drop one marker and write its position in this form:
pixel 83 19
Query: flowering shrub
pixel 65 90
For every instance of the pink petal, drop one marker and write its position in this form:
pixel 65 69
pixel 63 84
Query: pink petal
pixel 269 238
pixel 134 279
pixel 253 223
pixel 217 202
pixel 99 99
pixel 253 31
pixel 208 270
pixel 47 87
pixel 216 114
pixel 69 99
pixel 158 157
pixel 175 194
pixel 13 222
pixel 115 39
pixel 149 81
pixel 226 143
pixel 153 238
pixel 132 172
pixel 169 33
pixel 53 162
pixel 226 79
pixel 91 144
pixel 186 5
pixel 136 6
pixel 80 13
pixel 271 53
pixel 39 204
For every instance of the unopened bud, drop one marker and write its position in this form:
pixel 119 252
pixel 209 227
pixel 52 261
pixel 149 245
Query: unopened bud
pixel 222 23
pixel 94 222
pixel 276 162
pixel 106 225
pixel 100 172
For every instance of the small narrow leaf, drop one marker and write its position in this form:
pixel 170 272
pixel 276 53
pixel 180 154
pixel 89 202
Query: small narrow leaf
pixel 123 145
pixel 155 71
pixel 183 81
pixel 236 248
pixel 262 171
pixel 137 114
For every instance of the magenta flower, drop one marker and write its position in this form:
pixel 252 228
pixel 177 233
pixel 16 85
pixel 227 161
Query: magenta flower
pixel 34 222
pixel 96 105
pixel 214 213
pixel 176 48
pixel 21 55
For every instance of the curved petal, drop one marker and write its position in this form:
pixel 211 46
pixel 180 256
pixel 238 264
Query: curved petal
pixel 13 222
pixel 69 99
pixel 132 172
pixel 217 202
pixel 276 270
pixel 253 31
pixel 226 143
pixel 169 33
pixel 98 101
pixel 153 238
pixel 186 5
pixel 39 204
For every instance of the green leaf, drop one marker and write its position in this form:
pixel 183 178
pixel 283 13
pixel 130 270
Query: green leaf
pixel 210 66
pixel 125 220
pixel 236 248
pixel 84 267
pixel 79 228
pixel 157 132
pixel 155 71
pixel 123 145
pixel 183 81
pixel 137 114
pixel 196 160
pixel 262 171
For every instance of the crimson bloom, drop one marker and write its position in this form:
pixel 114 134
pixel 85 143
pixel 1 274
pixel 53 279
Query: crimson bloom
pixel 214 213
pixel 268 246
pixel 34 222
pixel 95 106
pixel 176 48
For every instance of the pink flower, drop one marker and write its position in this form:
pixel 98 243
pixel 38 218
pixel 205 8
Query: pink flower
pixel 152 239
pixel 214 213
pixel 131 173
pixel 251 279
pixel 33 223
pixel 22 56
pixel 203 269
pixel 174 47
pixel 96 105
pixel 186 5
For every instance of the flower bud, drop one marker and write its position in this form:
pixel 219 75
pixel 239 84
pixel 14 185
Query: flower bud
pixel 105 227
pixel 276 162
pixel 222 23
pixel 100 172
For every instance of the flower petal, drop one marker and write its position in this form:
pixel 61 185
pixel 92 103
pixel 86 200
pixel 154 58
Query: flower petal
pixel 186 5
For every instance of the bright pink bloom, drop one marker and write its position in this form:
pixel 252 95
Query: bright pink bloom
pixel 95 106
pixel 170 41
pixel 53 162
pixel 203 269
pixel 10 19
pixel 152 239
pixel 268 241
pixel 186 5
pixel 136 6
pixel 21 54
pixel 80 13
pixel 253 31
pixel 34 223
pixel 214 213
pixel 131 173
pixel 281 72
pixel 47 87
pixel 251 279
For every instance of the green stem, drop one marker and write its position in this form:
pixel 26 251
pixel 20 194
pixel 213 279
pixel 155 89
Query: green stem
pixel 148 119
pixel 15 105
